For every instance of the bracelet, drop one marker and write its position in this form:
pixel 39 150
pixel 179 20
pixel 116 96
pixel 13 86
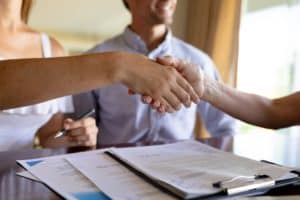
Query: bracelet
pixel 37 142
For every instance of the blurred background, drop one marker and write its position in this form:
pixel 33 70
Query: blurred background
pixel 255 43
pixel 80 24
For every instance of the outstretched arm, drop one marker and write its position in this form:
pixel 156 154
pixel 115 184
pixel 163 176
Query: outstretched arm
pixel 254 109
pixel 29 81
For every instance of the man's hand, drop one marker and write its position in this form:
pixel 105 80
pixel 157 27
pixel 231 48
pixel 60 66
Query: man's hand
pixel 162 83
pixel 191 72
pixel 79 133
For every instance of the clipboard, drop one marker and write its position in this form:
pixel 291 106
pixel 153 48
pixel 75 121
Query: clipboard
pixel 261 185
pixel 255 189
pixel 241 184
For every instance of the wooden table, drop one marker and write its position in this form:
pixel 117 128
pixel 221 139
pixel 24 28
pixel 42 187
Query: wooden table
pixel 13 187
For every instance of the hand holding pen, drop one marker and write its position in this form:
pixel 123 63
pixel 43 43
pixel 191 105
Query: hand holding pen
pixel 81 131
pixel 84 115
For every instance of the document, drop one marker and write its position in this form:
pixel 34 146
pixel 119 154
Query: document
pixel 63 178
pixel 186 169
pixel 273 198
pixel 27 174
pixel 190 168
pixel 114 179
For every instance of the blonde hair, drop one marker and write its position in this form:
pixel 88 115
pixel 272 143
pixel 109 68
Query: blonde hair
pixel 25 10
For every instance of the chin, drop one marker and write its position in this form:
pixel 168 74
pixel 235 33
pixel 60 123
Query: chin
pixel 166 19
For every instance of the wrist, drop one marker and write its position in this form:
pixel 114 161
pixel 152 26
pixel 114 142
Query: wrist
pixel 119 68
pixel 209 88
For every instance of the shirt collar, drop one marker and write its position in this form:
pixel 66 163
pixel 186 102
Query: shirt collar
pixel 134 41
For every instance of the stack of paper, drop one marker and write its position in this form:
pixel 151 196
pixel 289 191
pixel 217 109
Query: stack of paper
pixel 65 179
pixel 61 177
pixel 185 169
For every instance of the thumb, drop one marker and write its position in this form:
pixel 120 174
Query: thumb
pixel 170 61
pixel 67 123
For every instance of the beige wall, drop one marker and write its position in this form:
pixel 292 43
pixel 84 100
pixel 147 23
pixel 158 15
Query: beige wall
pixel 180 19
pixel 79 24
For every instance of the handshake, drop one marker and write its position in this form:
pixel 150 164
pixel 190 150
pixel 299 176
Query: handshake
pixel 177 82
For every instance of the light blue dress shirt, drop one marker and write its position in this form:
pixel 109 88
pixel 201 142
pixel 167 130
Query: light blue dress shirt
pixel 123 118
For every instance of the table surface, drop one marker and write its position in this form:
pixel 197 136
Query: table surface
pixel 13 187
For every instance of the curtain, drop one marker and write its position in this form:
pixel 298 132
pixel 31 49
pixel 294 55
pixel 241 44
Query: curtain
pixel 213 26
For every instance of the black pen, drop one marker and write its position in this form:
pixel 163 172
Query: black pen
pixel 84 115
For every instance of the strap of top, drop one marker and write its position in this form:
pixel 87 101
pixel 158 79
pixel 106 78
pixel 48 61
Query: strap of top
pixel 46 45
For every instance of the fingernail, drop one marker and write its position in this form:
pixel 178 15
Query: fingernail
pixel 188 104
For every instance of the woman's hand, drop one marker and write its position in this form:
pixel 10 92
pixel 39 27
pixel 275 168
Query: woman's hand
pixel 79 133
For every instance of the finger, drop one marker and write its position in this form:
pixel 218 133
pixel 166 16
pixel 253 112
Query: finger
pixel 80 123
pixel 84 140
pixel 58 142
pixel 182 96
pixel 74 143
pixel 163 106
pixel 81 138
pixel 161 109
pixel 155 104
pixel 170 61
pixel 189 90
pixel 146 99
pixel 131 92
pixel 165 60
pixel 88 144
pixel 68 121
pixel 90 130
pixel 173 102
pixel 76 132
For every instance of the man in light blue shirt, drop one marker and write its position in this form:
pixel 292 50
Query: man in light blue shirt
pixel 124 119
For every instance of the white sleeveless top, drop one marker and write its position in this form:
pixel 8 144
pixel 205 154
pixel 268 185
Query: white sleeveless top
pixel 19 125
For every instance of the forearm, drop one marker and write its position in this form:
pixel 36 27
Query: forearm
pixel 251 108
pixel 28 81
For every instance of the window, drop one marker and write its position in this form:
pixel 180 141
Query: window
pixel 269 65
pixel 269 50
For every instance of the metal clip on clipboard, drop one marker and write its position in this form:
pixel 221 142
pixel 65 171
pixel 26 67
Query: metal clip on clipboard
pixel 241 184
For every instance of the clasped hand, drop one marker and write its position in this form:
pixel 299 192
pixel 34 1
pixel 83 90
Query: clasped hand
pixel 191 73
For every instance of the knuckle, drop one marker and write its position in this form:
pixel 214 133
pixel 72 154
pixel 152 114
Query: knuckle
pixel 186 97
pixel 170 76
pixel 155 93
pixel 177 106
